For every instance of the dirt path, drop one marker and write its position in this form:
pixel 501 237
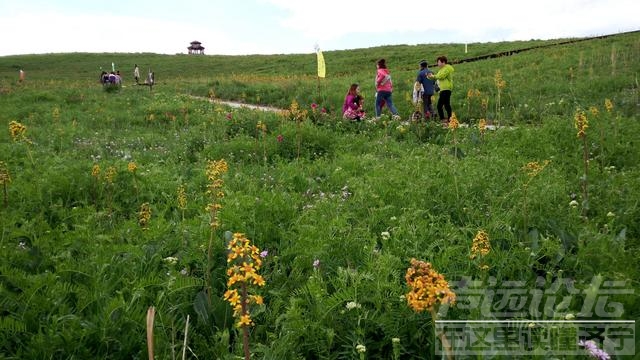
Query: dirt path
pixel 238 105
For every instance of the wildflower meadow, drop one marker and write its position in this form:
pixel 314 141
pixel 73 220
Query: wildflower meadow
pixel 167 223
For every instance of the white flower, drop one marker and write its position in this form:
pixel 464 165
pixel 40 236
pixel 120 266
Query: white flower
pixel 610 214
pixel 361 348
pixel 569 316
pixel 395 340
pixel 171 260
pixel 353 305
pixel 385 235
pixel 573 203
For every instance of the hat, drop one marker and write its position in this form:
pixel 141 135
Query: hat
pixel 423 62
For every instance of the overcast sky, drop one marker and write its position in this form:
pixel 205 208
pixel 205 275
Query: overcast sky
pixel 237 27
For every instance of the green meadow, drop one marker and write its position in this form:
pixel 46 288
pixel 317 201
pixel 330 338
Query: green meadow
pixel 161 222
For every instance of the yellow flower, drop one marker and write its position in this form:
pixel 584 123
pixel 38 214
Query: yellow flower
pixel 95 171
pixel 453 122
pixel 427 287
pixel 111 174
pixel 608 105
pixel 17 130
pixel 497 79
pixel 594 111
pixel 5 177
pixel 581 123
pixel 481 245
pixel 132 167
pixel 534 168
pixel 144 216
pixel 482 125
pixel 182 197
pixel 245 320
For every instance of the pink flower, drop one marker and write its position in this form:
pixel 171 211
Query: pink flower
pixel 593 350
pixel 314 106
pixel 264 253
pixel 324 111
pixel 229 116
pixel 280 138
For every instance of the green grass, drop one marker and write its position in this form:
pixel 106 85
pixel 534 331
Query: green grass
pixel 78 271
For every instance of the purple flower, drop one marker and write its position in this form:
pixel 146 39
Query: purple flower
pixel 264 253
pixel 316 264
pixel 593 350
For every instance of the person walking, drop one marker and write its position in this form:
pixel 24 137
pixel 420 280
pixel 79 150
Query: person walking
pixel 136 74
pixel 444 76
pixel 428 88
pixel 384 88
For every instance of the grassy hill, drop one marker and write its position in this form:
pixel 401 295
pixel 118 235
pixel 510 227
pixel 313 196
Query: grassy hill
pixel 113 203
pixel 575 70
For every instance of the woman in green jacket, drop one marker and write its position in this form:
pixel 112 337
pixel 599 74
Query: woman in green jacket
pixel 445 81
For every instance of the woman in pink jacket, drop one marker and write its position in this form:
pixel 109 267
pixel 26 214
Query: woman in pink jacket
pixel 384 88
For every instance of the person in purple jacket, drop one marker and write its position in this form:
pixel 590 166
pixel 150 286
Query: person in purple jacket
pixel 352 107
pixel 384 89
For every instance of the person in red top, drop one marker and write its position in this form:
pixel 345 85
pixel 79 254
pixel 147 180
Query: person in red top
pixel 352 107
pixel 384 88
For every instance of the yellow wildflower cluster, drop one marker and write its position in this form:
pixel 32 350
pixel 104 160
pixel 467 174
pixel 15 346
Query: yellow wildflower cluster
pixel 428 287
pixel 295 113
pixel 594 110
pixel 473 93
pixel 182 197
pixel 110 175
pixel 215 170
pixel 5 177
pixel 243 262
pixel 482 125
pixel 17 130
pixel 481 245
pixel 261 126
pixel 132 167
pixel 534 168
pixel 608 105
pixel 497 79
pixel 95 171
pixel 144 216
pixel 581 123
pixel 453 122
pixel 55 113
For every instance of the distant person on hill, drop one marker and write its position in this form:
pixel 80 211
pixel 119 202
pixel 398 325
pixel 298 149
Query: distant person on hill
pixel 444 76
pixel 428 88
pixel 21 76
pixel 136 74
pixel 104 77
pixel 384 89
pixel 352 107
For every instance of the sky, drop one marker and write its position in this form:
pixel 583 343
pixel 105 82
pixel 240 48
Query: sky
pixel 245 27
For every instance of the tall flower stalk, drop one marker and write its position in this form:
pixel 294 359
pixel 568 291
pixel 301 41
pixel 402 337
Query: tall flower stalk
pixel 427 290
pixel 532 170
pixel 453 126
pixel 215 170
pixel 18 133
pixel 500 85
pixel 5 179
pixel 480 248
pixel 243 264
pixel 581 124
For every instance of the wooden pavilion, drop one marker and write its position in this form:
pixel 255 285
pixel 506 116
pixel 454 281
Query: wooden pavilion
pixel 196 48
